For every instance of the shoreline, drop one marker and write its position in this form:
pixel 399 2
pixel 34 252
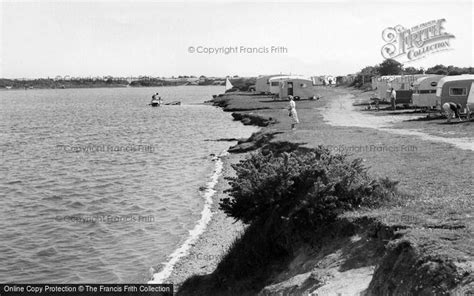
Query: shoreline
pixel 199 228
pixel 212 235
pixel 212 244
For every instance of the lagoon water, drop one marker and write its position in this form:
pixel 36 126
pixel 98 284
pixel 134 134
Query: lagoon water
pixel 98 187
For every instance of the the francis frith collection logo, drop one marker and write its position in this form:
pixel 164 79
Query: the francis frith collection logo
pixel 406 45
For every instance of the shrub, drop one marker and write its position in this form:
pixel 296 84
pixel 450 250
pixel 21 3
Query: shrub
pixel 301 189
pixel 242 84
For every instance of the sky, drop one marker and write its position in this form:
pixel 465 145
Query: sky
pixel 132 38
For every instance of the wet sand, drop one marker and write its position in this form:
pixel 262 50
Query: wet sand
pixel 219 235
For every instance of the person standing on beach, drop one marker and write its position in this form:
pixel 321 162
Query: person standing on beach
pixel 292 112
pixel 451 108
pixel 393 98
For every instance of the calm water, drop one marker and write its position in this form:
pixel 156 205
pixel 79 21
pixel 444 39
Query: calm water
pixel 96 186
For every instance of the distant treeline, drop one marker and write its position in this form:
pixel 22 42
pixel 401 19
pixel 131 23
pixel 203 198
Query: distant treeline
pixel 112 82
pixel 53 83
pixel 392 67
pixel 155 82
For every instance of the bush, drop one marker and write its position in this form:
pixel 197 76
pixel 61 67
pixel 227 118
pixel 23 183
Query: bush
pixel 242 84
pixel 301 189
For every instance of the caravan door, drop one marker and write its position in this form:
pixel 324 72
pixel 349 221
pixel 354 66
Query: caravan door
pixel 470 97
pixel 290 88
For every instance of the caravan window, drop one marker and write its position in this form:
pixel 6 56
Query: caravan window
pixel 275 83
pixel 427 91
pixel 303 85
pixel 457 91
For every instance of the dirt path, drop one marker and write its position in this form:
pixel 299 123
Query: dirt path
pixel 341 112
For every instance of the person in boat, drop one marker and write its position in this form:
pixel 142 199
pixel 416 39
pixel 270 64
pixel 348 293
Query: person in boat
pixel 451 108
pixel 156 99
pixel 160 101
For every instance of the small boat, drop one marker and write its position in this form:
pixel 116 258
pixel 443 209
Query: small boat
pixel 155 103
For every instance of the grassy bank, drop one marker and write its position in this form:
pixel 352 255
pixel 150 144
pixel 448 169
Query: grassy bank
pixel 420 246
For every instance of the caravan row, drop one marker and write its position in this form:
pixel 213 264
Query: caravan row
pixel 401 83
pixel 300 87
pixel 420 90
pixel 427 91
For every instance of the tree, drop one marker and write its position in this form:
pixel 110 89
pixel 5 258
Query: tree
pixel 369 70
pixel 390 67
pixel 412 70
pixel 438 69
pixel 452 70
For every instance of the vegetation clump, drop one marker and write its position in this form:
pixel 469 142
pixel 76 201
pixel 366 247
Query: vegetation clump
pixel 302 189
